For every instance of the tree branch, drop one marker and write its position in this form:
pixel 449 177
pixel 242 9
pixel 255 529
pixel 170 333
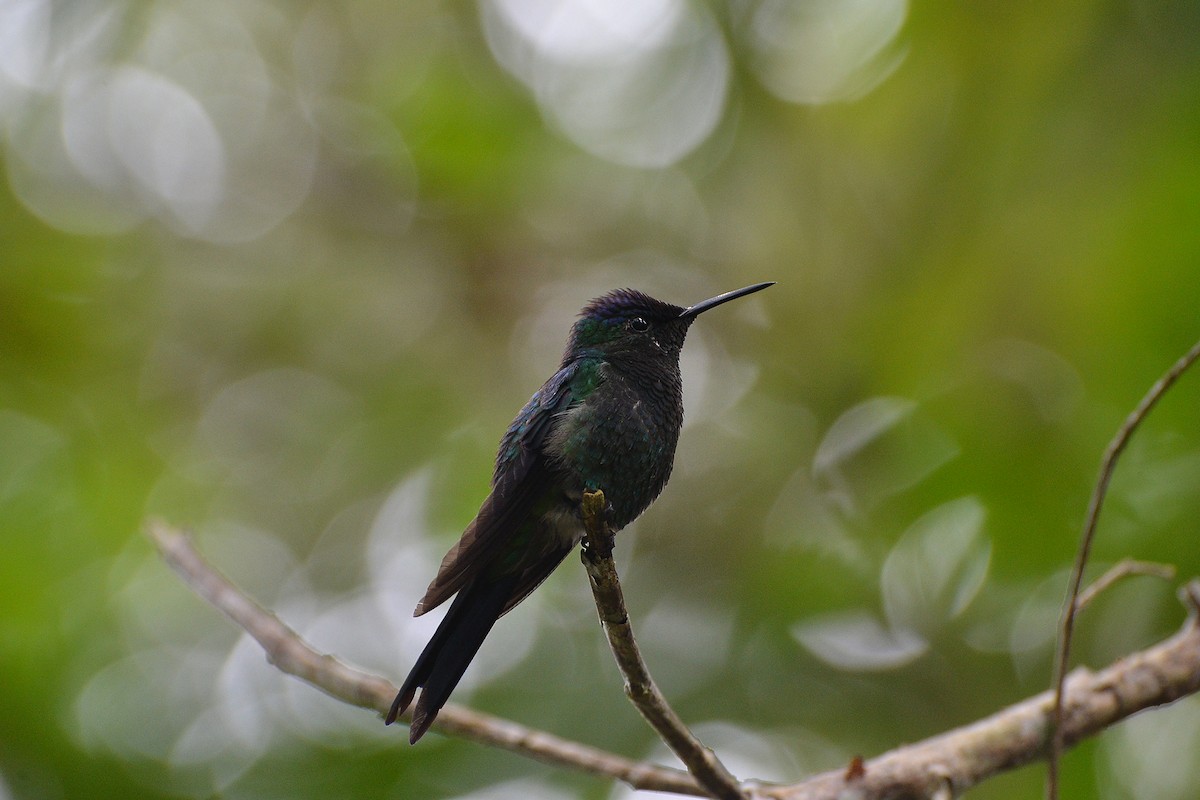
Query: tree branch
pixel 1071 605
pixel 943 766
pixel 701 762
pixel 1018 735
pixel 291 654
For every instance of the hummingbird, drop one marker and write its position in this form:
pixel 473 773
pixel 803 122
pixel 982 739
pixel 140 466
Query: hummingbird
pixel 608 419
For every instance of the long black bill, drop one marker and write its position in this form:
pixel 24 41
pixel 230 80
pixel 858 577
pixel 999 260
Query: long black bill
pixel 713 302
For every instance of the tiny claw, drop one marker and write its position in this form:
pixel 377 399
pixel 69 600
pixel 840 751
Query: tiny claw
pixel 603 548
pixel 596 512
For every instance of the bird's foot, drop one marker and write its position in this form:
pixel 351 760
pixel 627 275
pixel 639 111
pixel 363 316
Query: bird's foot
pixel 599 548
pixel 596 513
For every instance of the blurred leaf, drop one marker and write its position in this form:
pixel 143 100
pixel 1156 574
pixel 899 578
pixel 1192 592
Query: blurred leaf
pixel 858 427
pixel 857 640
pixel 878 448
pixel 937 567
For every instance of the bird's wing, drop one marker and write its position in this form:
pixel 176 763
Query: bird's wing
pixel 520 481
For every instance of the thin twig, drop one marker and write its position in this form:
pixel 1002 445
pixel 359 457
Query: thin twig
pixel 291 654
pixel 700 761
pixel 960 758
pixel 1071 606
pixel 1124 568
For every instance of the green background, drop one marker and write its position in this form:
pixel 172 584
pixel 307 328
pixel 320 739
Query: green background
pixel 985 255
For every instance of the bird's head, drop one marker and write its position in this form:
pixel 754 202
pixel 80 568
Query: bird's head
pixel 629 322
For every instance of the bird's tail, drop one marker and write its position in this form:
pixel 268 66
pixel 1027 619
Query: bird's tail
pixel 445 659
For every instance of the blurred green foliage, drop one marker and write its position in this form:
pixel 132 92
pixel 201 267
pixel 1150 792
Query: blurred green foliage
pixel 985 255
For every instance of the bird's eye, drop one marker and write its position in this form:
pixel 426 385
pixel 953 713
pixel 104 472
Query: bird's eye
pixel 639 324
